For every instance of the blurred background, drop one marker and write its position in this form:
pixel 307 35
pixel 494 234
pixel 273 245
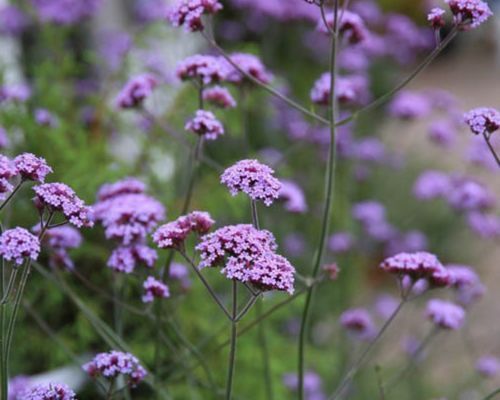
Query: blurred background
pixel 61 75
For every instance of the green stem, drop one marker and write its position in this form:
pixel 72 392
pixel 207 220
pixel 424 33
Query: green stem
pixel 4 380
pixel 492 150
pixel 232 349
pixel 353 370
pixel 328 200
pixel 10 285
pixel 492 395
pixel 11 196
pixel 261 334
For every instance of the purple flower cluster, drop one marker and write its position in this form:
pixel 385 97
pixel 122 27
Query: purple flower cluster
pixel 417 266
pixel 44 117
pixel 351 26
pixel 340 242
pixel 60 239
pixel 409 105
pixel 469 14
pixel 154 289
pixel 31 167
pixel 466 283
pixel 312 385
pixel 173 234
pixel 58 197
pixel 219 97
pixel 349 90
pixel 18 244
pixel 7 171
pixel 372 216
pixel 435 17
pixel 358 323
pixel 205 124
pixel 483 120
pixel 445 314
pixel 254 179
pixel 293 197
pixel 248 63
pixel 188 13
pixel 488 366
pixel 247 255
pixel 207 69
pixel 65 12
pixel 12 20
pixel 114 363
pixel 126 258
pixel 136 91
pixel 50 391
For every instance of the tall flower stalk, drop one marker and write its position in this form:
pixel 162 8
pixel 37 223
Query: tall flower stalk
pixel 328 200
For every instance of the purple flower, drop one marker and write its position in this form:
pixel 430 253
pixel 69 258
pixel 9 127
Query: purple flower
pixel 443 132
pixel 7 171
pixel 409 105
pixel 18 385
pixel 312 384
pixel 419 265
pixel 44 117
pixel 385 305
pixel 332 270
pixel 111 365
pixel 154 289
pixel 485 225
pixel 293 196
pixel 254 179
pixel 469 14
pixel 349 90
pixel 50 391
pixel 219 97
pixel 179 272
pixel 247 255
pixel 15 93
pixel 188 13
pixel 406 242
pixel 435 17
pixel 12 20
pixel 340 242
pixel 462 275
pixel 431 185
pixel 445 314
pixel 65 12
pixel 137 89
pixel 250 64
pixel 60 197
pixel 351 26
pixel 125 186
pixel 468 195
pixel 114 46
pixel 173 234
pixel 150 10
pixel 60 239
pixel 371 215
pixel 31 167
pixel 483 120
pixel 208 69
pixel 4 139
pixel 124 259
pixel 18 244
pixel 488 366
pixel 359 323
pixel 205 124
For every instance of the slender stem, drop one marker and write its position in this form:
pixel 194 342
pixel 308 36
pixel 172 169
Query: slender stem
pixel 351 373
pixel 492 150
pixel 207 286
pixel 328 200
pixel 4 384
pixel 266 360
pixel 492 395
pixel 109 393
pixel 247 307
pixel 232 349
pixel 10 285
pixel 11 196
pixel 158 347
pixel 197 155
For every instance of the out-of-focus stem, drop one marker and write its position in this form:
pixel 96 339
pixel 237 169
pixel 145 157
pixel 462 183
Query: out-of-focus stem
pixel 4 379
pixel 11 196
pixel 232 349
pixel 490 146
pixel 327 204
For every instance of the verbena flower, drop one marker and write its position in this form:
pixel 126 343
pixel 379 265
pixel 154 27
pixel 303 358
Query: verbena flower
pixel 349 90
pixel 488 366
pixel 125 186
pixel 469 14
pixel 219 97
pixel 431 185
pixel 58 197
pixel 332 270
pixel 125 258
pixel 60 239
pixel 205 124
pixel 250 64
pixel 18 385
pixel 351 26
pixel 207 69
pixel 312 384
pixel 49 391
pixel 340 242
pixel 12 20
pixel 179 272
pixel 188 13
pixel 44 117
pixel 483 120
pixel 443 132
pixel 65 12
pixel 466 194
pixel 7 171
pixel 17 93
pixel 114 363
pixel 409 105
pixel 247 255
pixel 173 234
pixel 406 242
pixel 254 179
pixel 31 167
pixel 138 89
pixel 445 314
pixel 293 196
pixel 358 323
pixel 419 265
pixel 435 17
pixel 154 289
pixel 18 244
pixel 485 225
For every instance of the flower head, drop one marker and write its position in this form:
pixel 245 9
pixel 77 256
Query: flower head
pixel 432 184
pixel 60 239
pixel 483 120
pixel 248 63
pixel 188 13
pixel 435 17
pixel 247 255
pixel 293 196
pixel 219 96
pixel 207 69
pixel 65 12
pixel 60 197
pixel 7 171
pixel 340 242
pixel 349 90
pixel 136 91
pixel 50 391
pixel 254 179
pixel 154 289
pixel 445 314
pixel 469 14
pixel 205 124
pixel 351 26
pixel 31 167
pixel 467 194
pixel 359 323
pixel 125 258
pixel 114 363
pixel 409 105
pixel 17 244
pixel 12 20
pixel 124 186
pixel 488 366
